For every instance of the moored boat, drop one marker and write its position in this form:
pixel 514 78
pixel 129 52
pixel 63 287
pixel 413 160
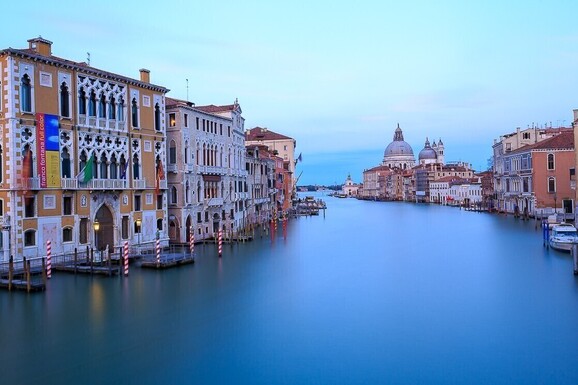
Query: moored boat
pixel 563 236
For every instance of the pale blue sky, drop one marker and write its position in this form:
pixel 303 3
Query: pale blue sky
pixel 337 76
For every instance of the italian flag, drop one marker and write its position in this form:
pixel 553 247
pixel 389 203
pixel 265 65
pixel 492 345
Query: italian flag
pixel 86 172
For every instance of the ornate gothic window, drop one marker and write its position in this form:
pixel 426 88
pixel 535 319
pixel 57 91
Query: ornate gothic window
pixel 157 117
pixel 102 106
pixel 65 163
pixel 92 104
pixel 172 152
pixel 135 167
pixel 112 109
pixel 134 113
pixel 64 101
pixel 81 101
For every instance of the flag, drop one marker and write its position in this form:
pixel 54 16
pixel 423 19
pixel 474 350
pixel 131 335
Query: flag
pixel 299 158
pixel 123 170
pixel 160 175
pixel 86 173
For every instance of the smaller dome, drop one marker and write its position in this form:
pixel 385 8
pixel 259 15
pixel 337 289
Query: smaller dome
pixel 427 153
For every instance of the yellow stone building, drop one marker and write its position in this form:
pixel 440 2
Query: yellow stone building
pixel 82 155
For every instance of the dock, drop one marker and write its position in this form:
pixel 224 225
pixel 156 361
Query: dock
pixel 26 274
pixel 87 262
pixel 173 256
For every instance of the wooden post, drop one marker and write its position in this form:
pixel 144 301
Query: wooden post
pixel 91 260
pixel 27 268
pixel 87 254
pixel 10 272
pixel 44 278
pixel 109 264
pixel 75 260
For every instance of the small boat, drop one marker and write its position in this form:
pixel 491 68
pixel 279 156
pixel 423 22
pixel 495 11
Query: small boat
pixel 563 236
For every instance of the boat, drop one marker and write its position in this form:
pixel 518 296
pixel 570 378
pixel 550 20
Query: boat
pixel 563 236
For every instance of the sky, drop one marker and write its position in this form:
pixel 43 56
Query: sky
pixel 337 76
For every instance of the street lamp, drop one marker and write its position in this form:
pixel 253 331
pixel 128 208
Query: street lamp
pixel 138 223
pixel 96 226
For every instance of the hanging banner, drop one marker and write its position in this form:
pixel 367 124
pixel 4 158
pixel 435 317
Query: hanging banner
pixel 48 150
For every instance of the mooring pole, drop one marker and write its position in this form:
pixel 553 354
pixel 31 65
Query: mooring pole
pixel 575 256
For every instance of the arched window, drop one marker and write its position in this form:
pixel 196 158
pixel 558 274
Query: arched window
pixel 113 167
pixel 551 184
pixel 95 167
pixel 135 167
pixel 172 152
pixel 102 106
pixel 120 109
pixel 103 166
pixel 123 165
pixel 66 163
pixel 82 161
pixel 67 234
pixel 26 96
pixel 157 117
pixel 551 162
pixel 112 109
pixel 134 113
pixel 187 192
pixel 92 104
pixel 64 100
pixel 81 101
pixel 174 195
pixel 30 237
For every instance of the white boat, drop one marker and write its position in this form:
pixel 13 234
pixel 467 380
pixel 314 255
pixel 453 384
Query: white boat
pixel 563 236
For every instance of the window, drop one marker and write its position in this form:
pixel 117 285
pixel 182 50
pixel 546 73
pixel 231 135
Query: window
pixel 172 152
pixel 526 135
pixel 160 224
pixel 64 101
pixel 102 106
pixel 137 227
pixel 134 113
pixel 174 195
pixel 29 207
pixel 159 201
pixel 30 238
pixel 550 161
pixel 137 203
pixel 186 119
pixel 157 117
pixel 26 96
pixel 66 173
pixel 526 185
pixel 67 206
pixel 124 228
pixel 83 230
pixel 112 109
pixel 172 120
pixel 67 234
pixel 197 120
pixel 92 104
pixel 135 167
pixel 81 101
pixel 199 219
pixel 121 109
pixel 551 184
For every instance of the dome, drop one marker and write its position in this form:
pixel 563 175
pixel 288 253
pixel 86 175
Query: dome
pixel 398 154
pixel 427 153
pixel 398 146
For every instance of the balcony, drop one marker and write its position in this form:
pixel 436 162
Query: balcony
pixel 139 184
pixel 212 202
pixel 31 184
pixel 172 167
pixel 69 183
pixel 189 167
pixel 104 184
pixel 213 170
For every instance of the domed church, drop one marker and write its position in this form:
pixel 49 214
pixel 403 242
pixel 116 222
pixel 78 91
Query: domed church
pixel 398 154
pixel 432 154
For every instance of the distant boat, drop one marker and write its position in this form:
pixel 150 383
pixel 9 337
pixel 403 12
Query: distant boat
pixel 563 236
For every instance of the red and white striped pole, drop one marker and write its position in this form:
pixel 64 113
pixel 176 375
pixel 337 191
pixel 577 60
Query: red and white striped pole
pixel 220 243
pixel 48 259
pixel 125 258
pixel 192 241
pixel 158 251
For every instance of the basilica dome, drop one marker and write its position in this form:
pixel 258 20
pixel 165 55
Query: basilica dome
pixel 398 153
pixel 428 154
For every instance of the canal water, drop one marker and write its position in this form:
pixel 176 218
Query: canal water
pixel 370 292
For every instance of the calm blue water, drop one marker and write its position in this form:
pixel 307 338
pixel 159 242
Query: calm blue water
pixel 373 293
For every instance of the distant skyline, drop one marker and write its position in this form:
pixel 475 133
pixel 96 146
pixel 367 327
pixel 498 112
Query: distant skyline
pixel 337 77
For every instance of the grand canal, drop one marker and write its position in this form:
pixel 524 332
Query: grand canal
pixel 371 293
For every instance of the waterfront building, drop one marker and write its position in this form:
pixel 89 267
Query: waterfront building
pixel 398 153
pixel 261 171
pixel 536 179
pixel 432 154
pixel 507 143
pixel 425 174
pixel 488 195
pixel 206 174
pixel 278 144
pixel 350 188
pixel 74 144
pixel 374 182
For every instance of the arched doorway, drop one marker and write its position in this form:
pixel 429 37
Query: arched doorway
pixel 173 234
pixel 188 229
pixel 104 236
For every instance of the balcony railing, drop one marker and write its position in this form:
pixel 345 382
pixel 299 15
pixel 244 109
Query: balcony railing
pixel 139 184
pixel 189 167
pixel 171 167
pixel 214 170
pixel 104 184
pixel 214 202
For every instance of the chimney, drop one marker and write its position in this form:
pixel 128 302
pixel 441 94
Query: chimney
pixel 40 46
pixel 575 114
pixel 145 75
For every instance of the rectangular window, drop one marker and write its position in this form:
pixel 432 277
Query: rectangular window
pixel 551 185
pixel 221 129
pixel 159 202
pixel 67 234
pixel 146 101
pixel 172 155
pixel 149 199
pixel 186 120
pixel 206 216
pixel 199 220
pixel 137 203
pixel 29 207
pixel 67 206
pixel 172 120
pixel 124 228
pixel 197 119
pixel 45 79
pixel 550 161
